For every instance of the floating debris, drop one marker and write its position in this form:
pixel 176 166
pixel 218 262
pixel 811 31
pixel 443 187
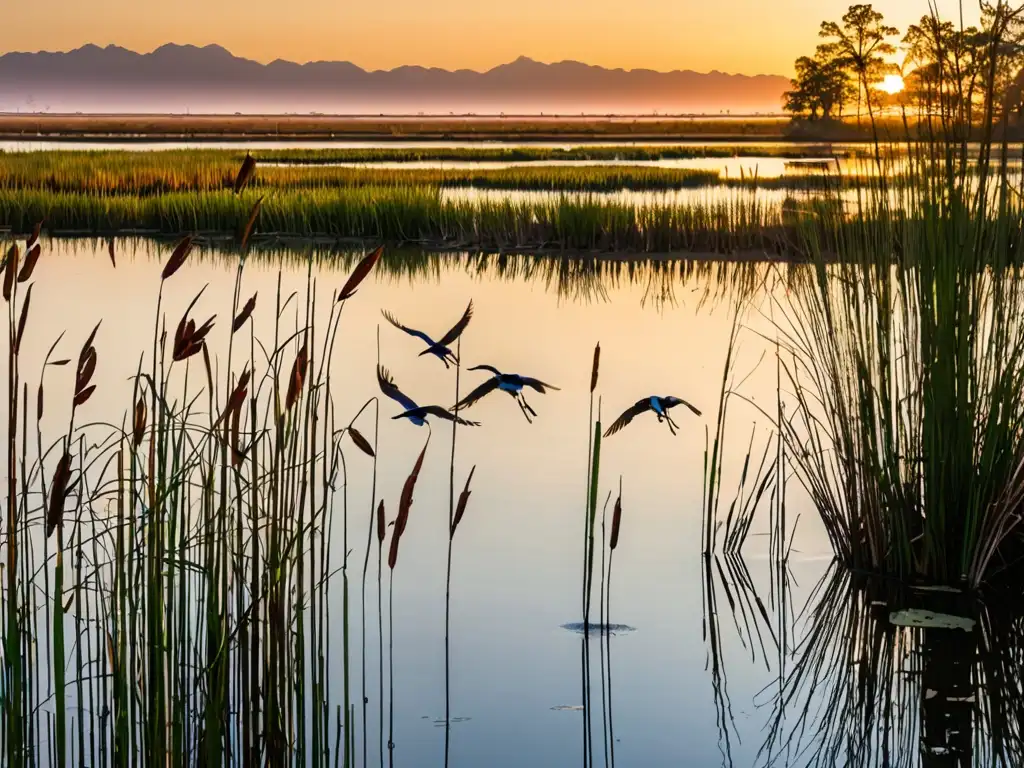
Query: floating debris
pixel 917 617
pixel 597 628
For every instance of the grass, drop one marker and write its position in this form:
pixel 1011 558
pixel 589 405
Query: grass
pixel 167 578
pixel 413 215
pixel 384 128
pixel 152 173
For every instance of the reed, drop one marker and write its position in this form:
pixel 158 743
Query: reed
pixel 420 215
pixel 188 549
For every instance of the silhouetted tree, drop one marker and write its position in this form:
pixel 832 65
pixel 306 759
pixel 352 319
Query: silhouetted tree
pixel 861 43
pixel 821 86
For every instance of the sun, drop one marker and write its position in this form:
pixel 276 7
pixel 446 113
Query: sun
pixel 891 84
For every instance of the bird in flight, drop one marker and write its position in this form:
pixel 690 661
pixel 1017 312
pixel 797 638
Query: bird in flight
pixel 441 348
pixel 660 406
pixel 512 383
pixel 415 413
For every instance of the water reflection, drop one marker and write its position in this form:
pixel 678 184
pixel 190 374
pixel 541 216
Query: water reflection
pixel 885 674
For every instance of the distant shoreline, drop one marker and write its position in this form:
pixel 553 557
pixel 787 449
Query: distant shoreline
pixel 397 128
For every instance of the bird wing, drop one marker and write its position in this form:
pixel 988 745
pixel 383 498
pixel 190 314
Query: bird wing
pixel 411 331
pixel 441 413
pixel 458 328
pixel 537 384
pixel 631 413
pixel 480 392
pixel 388 387
pixel 688 405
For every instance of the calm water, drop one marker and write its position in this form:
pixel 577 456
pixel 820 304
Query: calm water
pixel 517 569
pixel 516 672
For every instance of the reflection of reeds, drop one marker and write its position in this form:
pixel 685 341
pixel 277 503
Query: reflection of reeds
pixel 864 690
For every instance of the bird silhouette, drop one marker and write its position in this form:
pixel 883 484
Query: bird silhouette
pixel 441 348
pixel 512 383
pixel 660 406
pixel 417 414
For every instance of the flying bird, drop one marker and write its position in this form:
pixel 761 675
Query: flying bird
pixel 660 406
pixel 512 383
pixel 415 413
pixel 440 348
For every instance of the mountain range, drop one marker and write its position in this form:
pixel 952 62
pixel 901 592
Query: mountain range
pixel 181 78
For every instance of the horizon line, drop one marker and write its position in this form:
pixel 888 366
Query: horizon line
pixel 522 58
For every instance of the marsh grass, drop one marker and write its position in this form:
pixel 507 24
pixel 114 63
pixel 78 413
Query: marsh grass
pixel 168 577
pixel 415 215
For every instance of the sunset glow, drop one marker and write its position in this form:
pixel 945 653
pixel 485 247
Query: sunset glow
pixel 891 84
pixel 729 36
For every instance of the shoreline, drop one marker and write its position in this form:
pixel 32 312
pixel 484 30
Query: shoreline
pixel 389 130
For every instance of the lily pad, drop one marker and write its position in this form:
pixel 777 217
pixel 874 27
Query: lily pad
pixel 917 617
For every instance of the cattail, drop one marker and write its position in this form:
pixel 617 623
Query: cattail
pixel 361 442
pixel 31 259
pixel 381 524
pixel 237 398
pixel 616 522
pixel 34 237
pixel 189 340
pixel 405 502
pixel 297 378
pixel 393 550
pixel 359 274
pixel 110 252
pixel 22 320
pixel 460 509
pixel 595 368
pixel 244 315
pixel 251 222
pixel 245 172
pixel 181 252
pixel 10 268
pixel 139 425
pixel 87 359
pixel 58 493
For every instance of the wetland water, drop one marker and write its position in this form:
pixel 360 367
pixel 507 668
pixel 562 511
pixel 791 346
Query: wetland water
pixel 517 566
pixel 708 646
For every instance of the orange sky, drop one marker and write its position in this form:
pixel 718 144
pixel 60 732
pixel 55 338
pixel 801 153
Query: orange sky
pixel 750 36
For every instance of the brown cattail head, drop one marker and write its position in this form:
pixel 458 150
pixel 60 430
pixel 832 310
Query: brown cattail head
pixel 393 550
pixel 189 340
pixel 297 378
pixel 361 442
pixel 34 237
pixel 596 367
pixel 359 274
pixel 253 215
pixel 181 252
pixel 58 494
pixel 110 252
pixel 87 359
pixel 10 269
pixel 460 509
pixel 139 425
pixel 244 315
pixel 22 320
pixel 237 398
pixel 245 172
pixel 31 259
pixel 405 502
pixel 616 522
pixel 381 524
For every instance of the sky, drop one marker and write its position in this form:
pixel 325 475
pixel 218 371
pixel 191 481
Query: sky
pixel 745 36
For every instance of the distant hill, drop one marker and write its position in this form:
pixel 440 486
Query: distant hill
pixel 180 78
